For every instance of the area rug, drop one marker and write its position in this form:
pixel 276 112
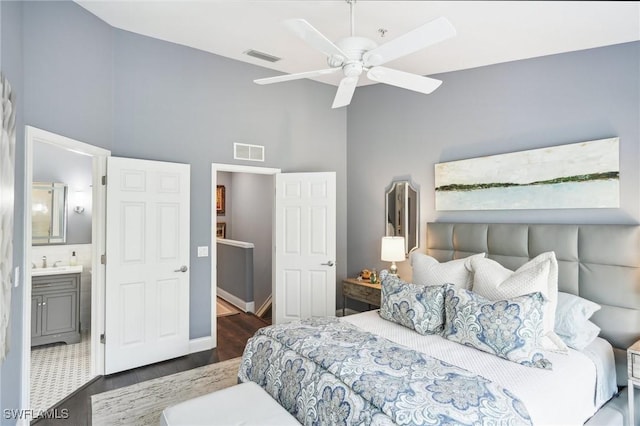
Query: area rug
pixel 141 404
pixel 224 308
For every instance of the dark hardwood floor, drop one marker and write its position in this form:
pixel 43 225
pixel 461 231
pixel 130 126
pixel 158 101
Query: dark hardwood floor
pixel 233 333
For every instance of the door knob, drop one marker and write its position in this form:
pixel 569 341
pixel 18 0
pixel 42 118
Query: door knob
pixel 329 263
pixel 183 268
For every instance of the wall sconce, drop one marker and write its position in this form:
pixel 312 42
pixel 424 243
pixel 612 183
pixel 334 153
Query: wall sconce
pixel 79 201
pixel 392 250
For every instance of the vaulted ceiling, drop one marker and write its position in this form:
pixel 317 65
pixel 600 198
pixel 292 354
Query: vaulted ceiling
pixel 488 32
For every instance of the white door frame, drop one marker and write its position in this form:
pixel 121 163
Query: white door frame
pixel 215 168
pixel 99 155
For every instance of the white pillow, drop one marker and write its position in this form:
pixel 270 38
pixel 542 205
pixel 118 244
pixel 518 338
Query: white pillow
pixel 582 336
pixel 540 274
pixel 428 271
pixel 572 320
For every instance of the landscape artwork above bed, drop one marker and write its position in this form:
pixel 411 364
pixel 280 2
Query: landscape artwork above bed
pixel 578 175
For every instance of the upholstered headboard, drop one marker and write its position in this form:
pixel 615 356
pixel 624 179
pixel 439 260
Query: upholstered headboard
pixel 597 262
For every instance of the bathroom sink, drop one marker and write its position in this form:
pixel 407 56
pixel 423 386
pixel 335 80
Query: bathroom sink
pixel 56 270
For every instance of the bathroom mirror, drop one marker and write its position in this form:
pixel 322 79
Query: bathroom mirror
pixel 402 213
pixel 49 213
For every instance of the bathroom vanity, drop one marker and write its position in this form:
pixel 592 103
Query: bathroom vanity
pixel 55 305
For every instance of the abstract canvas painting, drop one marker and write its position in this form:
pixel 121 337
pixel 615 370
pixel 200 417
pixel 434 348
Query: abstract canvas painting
pixel 579 175
pixel 7 167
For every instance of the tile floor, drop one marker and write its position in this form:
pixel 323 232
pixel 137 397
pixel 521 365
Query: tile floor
pixel 57 370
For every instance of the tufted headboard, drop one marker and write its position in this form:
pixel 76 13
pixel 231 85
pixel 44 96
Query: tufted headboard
pixel 597 262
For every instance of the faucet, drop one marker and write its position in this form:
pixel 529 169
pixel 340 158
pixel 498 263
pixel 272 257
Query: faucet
pixel 44 261
pixel 55 264
pixel 33 265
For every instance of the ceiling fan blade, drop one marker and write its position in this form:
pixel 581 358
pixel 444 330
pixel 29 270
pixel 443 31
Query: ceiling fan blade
pixel 345 92
pixel 430 33
pixel 297 76
pixel 406 80
pixel 313 37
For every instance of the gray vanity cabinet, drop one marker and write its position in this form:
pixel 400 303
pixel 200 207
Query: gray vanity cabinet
pixel 55 309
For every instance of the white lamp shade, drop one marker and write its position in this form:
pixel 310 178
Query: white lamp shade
pixel 392 249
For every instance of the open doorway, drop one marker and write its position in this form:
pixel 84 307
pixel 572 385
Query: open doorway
pixel 64 281
pixel 247 204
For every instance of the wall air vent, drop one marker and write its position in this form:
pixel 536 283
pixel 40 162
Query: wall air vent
pixel 243 151
pixel 261 55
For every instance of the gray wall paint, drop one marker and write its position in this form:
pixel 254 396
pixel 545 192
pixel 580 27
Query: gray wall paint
pixel 68 70
pixel 178 104
pixel 53 164
pixel 515 106
pixel 12 67
pixel 252 198
pixel 235 271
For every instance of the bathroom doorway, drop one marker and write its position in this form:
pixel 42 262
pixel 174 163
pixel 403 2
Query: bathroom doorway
pixel 62 290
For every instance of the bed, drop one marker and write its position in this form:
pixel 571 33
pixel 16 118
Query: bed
pixel 369 370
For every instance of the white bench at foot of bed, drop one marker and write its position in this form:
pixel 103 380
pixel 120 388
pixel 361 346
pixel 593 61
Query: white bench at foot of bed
pixel 245 404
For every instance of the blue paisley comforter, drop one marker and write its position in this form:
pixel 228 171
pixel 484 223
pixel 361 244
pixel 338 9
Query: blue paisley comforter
pixel 328 372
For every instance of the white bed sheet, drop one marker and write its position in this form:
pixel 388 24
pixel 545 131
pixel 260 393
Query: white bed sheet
pixel 562 396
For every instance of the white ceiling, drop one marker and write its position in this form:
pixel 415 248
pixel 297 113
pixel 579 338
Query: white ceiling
pixel 488 32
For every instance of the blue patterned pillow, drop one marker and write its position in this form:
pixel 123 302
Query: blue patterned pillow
pixel 420 308
pixel 509 329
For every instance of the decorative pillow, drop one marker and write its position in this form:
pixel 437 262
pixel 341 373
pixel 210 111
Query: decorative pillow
pixel 428 271
pixel 540 274
pixel 572 320
pixel 420 308
pixel 509 329
pixel 581 336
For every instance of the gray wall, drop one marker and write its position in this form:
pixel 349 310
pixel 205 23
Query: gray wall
pixel 252 198
pixel 515 106
pixel 235 271
pixel 12 67
pixel 53 164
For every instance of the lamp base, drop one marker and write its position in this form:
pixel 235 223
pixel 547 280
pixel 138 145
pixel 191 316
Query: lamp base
pixel 393 270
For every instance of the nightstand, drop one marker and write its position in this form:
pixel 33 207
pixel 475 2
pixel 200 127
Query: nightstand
pixel 363 291
pixel 633 368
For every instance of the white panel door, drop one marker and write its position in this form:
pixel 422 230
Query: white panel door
pixel 147 274
pixel 304 283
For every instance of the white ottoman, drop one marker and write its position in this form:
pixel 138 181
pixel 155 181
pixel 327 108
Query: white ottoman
pixel 246 404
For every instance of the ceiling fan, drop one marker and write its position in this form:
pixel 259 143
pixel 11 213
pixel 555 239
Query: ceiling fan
pixel 352 55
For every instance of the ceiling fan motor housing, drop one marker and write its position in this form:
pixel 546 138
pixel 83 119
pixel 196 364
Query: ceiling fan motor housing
pixel 354 47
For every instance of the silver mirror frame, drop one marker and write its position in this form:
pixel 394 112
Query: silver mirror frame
pixel 56 215
pixel 403 199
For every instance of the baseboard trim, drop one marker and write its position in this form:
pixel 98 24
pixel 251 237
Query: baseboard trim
pixel 264 308
pixel 236 301
pixel 201 344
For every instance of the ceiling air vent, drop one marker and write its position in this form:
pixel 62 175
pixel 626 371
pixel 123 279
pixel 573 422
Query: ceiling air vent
pixel 243 151
pixel 261 55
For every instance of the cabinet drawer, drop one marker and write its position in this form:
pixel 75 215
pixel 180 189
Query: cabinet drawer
pixel 362 293
pixel 47 284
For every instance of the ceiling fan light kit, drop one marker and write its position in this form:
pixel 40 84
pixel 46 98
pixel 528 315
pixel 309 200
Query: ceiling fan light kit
pixel 352 55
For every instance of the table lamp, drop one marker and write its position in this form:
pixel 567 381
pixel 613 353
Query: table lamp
pixel 392 250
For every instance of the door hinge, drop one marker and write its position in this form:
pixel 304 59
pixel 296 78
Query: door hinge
pixel 104 180
pixel 103 338
pixel 103 259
